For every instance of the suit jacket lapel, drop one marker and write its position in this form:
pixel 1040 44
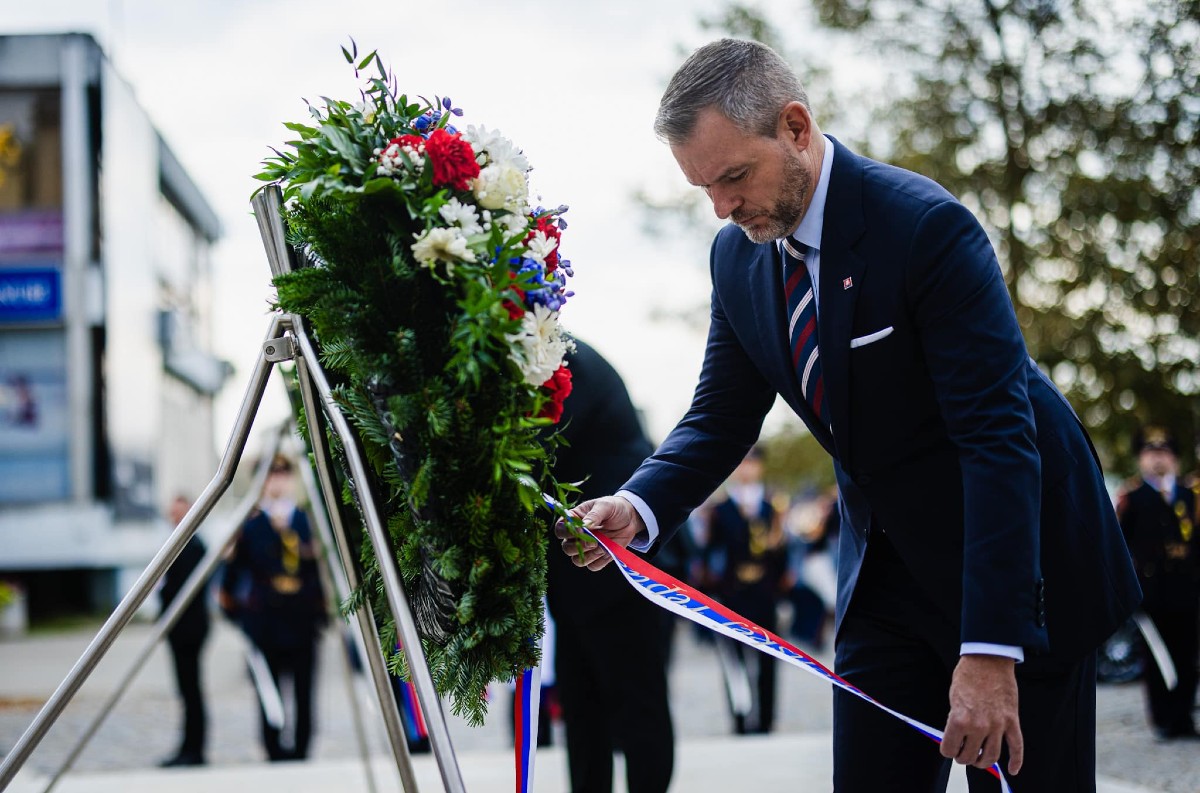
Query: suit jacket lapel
pixel 770 310
pixel 843 275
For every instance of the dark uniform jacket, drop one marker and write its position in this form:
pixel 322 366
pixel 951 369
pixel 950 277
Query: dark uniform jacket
pixel 747 555
pixel 274 582
pixel 1165 545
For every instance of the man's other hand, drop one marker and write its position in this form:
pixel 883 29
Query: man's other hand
pixel 612 516
pixel 983 713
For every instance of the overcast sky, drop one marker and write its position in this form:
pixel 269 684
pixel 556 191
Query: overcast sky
pixel 574 84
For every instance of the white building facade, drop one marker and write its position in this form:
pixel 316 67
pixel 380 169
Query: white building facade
pixel 106 375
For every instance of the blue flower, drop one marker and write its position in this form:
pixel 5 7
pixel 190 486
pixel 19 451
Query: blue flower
pixel 545 297
pixel 534 270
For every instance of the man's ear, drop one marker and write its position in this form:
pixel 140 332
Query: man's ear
pixel 795 125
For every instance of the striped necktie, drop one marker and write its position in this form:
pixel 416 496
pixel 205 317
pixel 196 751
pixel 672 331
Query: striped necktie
pixel 802 329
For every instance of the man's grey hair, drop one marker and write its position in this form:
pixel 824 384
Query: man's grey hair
pixel 747 82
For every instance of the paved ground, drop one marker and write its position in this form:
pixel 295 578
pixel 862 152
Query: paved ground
pixel 143 729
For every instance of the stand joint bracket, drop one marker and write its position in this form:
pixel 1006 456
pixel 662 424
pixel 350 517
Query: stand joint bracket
pixel 279 349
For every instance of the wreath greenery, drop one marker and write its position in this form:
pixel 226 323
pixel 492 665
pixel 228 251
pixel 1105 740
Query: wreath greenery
pixel 433 291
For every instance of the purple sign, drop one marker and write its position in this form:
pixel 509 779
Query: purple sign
pixel 34 232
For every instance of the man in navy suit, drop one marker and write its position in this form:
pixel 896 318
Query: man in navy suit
pixel 980 559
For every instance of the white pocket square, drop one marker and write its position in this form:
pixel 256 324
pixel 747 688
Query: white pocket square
pixel 871 338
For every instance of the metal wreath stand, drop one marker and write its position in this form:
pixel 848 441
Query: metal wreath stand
pixel 287 340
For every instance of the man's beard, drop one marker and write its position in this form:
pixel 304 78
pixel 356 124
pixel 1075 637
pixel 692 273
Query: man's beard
pixel 789 205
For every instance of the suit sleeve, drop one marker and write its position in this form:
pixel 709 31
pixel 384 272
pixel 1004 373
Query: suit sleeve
pixel 727 411
pixel 977 359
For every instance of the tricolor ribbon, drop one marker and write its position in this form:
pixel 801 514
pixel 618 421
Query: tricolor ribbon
pixel 691 604
pixel 411 716
pixel 525 725
pixel 686 601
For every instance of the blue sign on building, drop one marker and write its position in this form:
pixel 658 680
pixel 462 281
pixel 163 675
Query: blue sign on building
pixel 30 294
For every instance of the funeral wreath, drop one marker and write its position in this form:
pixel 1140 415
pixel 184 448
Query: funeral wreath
pixel 433 289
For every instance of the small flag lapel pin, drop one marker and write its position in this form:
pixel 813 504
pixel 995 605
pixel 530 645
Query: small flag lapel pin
pixel 847 283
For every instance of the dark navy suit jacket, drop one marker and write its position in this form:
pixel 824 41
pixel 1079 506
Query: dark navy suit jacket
pixel 606 443
pixel 944 434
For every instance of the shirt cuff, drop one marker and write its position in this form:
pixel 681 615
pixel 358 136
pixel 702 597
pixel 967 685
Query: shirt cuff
pixel 645 539
pixel 983 648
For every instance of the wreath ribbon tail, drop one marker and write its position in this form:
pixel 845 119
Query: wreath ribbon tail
pixel 525 723
pixel 679 598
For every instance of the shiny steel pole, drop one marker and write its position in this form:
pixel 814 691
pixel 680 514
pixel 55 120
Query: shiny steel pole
pixel 268 211
pixel 431 705
pixel 158 565
pixel 368 634
pixel 193 586
pixel 337 578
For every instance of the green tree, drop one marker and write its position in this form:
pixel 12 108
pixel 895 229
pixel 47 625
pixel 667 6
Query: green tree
pixel 1069 129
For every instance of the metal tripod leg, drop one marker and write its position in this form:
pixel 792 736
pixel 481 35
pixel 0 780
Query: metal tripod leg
pixel 268 211
pixel 369 643
pixel 193 586
pixel 431 706
pixel 158 565
pixel 333 583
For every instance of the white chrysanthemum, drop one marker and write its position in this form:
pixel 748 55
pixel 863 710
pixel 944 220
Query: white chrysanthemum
pixel 502 187
pixel 499 149
pixel 514 223
pixel 540 246
pixel 462 215
pixel 539 347
pixel 447 245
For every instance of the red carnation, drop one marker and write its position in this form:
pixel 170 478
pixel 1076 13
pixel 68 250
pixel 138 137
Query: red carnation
pixel 452 158
pixel 559 386
pixel 409 141
pixel 516 308
pixel 514 311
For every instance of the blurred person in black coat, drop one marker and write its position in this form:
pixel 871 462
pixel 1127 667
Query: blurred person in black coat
pixel 272 588
pixel 603 624
pixel 1158 519
pixel 186 640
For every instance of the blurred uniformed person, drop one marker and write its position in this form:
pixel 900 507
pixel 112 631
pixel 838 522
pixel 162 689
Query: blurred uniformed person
pixel 1158 516
pixel 271 586
pixel 746 556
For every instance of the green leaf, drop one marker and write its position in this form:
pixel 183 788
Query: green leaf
pixel 375 185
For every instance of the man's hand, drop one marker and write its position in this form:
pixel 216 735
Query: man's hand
pixel 611 516
pixel 983 713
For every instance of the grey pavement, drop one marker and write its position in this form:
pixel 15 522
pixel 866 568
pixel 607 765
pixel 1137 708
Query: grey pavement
pixel 142 729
